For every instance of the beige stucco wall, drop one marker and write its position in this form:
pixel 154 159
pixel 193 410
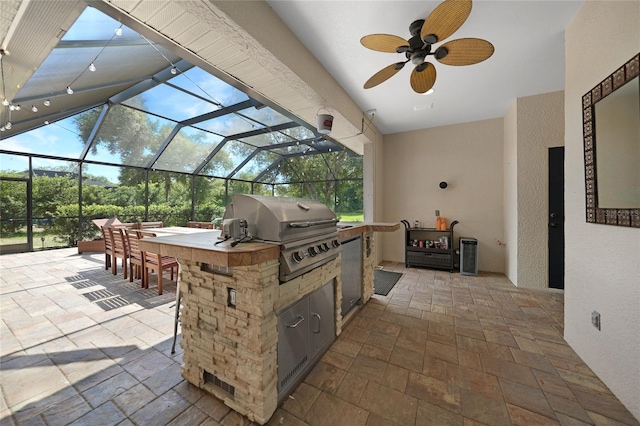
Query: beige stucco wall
pixel 602 268
pixel 540 124
pixel 469 158
pixel 510 193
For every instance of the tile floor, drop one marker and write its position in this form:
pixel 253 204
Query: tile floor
pixel 82 347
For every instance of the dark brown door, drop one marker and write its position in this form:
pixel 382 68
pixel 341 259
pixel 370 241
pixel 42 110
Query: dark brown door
pixel 556 217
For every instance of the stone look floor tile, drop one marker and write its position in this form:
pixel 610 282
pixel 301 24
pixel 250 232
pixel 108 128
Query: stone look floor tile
pixel 66 411
pixel 440 349
pixel 301 400
pixel 432 415
pixel 351 388
pixel 483 409
pixel 105 414
pixel 389 404
pixel 330 410
pixel 325 377
pixel 529 398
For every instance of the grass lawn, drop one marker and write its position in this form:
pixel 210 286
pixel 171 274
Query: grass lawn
pixel 351 217
pixel 50 240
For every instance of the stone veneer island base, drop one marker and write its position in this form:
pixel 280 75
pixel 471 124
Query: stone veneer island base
pixel 230 346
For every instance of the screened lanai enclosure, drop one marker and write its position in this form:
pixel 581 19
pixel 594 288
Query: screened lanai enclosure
pixel 113 124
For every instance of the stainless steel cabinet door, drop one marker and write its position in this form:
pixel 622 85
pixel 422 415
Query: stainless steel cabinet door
pixel 322 321
pixel 293 343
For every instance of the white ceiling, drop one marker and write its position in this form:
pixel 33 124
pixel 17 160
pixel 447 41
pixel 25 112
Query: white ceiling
pixel 528 37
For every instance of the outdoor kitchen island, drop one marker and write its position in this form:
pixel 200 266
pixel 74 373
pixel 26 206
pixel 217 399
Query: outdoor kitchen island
pixel 233 306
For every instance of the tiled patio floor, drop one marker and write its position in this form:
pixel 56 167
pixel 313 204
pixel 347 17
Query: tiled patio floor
pixel 81 347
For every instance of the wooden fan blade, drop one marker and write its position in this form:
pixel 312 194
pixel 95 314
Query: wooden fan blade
pixel 421 81
pixel 383 75
pixel 383 42
pixel 446 19
pixel 466 51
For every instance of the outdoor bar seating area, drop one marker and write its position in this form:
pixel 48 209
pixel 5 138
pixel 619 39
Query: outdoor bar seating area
pixel 121 246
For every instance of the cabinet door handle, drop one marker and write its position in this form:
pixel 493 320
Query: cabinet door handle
pixel 319 322
pixel 300 319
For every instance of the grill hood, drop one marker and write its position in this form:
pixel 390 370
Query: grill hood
pixel 282 219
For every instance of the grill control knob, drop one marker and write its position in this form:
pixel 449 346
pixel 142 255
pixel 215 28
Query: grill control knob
pixel 297 256
pixel 321 248
pixel 312 251
pixel 325 247
pixel 335 243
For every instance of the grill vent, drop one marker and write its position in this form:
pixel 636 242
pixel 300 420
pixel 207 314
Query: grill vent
pixel 293 372
pixel 211 378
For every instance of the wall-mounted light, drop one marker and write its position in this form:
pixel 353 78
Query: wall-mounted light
pixel 34 108
pixel 47 103
pixel 69 90
pixel 92 67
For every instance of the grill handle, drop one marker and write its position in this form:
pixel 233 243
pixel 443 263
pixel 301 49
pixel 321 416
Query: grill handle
pixel 310 224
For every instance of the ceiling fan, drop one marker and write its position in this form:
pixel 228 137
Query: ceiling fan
pixel 445 19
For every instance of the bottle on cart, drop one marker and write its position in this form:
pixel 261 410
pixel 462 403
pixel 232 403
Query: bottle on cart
pixel 416 224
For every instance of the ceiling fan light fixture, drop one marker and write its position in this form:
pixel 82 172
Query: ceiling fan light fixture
pixel 5 102
pixel 417 58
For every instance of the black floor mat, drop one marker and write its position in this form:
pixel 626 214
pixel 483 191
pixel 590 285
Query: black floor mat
pixel 383 281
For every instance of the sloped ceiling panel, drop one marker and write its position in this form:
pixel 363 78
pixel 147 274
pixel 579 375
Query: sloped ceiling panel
pixel 34 39
pixel 229 48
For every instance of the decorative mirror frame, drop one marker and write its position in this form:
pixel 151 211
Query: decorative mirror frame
pixel 595 214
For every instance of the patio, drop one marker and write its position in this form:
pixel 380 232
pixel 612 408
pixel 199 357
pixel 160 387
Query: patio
pixel 82 346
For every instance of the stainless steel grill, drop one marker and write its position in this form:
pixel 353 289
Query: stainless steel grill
pixel 305 229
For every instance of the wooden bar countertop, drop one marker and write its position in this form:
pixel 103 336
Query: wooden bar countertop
pixel 201 246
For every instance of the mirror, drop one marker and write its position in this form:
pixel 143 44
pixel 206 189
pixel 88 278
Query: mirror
pixel 611 129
